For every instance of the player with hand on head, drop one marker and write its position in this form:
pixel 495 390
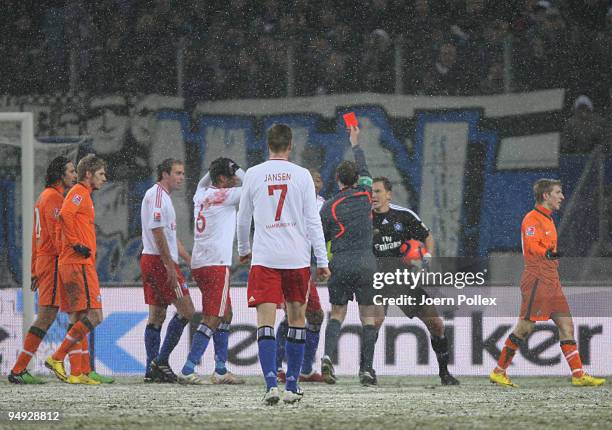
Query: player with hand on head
pixel 79 287
pixel 314 319
pixel 541 292
pixel 214 210
pixel 280 197
pixel 162 279
pixel 61 176
pixel 347 223
pixel 394 226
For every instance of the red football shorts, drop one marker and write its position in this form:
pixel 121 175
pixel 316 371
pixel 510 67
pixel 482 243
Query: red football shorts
pixel 541 298
pixel 79 288
pixel 313 304
pixel 47 273
pixel 157 292
pixel 267 285
pixel 214 284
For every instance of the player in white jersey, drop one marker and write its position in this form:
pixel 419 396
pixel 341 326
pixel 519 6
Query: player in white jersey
pixel 280 197
pixel 162 279
pixel 314 318
pixel 214 210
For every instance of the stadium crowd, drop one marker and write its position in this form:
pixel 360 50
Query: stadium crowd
pixel 239 48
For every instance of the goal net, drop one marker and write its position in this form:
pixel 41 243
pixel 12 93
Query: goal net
pixel 23 164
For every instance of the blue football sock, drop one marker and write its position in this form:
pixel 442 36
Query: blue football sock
pixel 281 340
pixel 220 339
pixel 296 338
pixel 310 348
pixel 267 354
pixel 198 346
pixel 173 335
pixel 152 339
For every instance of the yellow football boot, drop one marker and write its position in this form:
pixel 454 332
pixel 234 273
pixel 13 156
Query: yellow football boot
pixel 57 367
pixel 501 379
pixel 587 380
pixel 82 379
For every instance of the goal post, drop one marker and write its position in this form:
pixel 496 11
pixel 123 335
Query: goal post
pixel 26 124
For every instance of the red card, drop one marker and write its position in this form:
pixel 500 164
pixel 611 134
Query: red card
pixel 350 119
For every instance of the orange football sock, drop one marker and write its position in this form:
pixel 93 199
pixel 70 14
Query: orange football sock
pixel 74 355
pixel 573 357
pixel 85 360
pixel 512 344
pixel 30 345
pixel 78 331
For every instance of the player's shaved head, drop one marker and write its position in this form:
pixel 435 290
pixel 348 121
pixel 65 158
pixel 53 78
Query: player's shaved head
pixel 347 173
pixel 166 166
pixel 56 170
pixel 544 186
pixel 90 163
pixel 279 138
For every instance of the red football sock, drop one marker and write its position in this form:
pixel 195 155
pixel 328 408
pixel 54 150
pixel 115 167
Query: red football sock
pixel 85 360
pixel 33 338
pixel 573 357
pixel 512 344
pixel 74 335
pixel 74 355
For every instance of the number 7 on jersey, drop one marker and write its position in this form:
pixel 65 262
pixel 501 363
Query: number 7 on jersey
pixel 281 201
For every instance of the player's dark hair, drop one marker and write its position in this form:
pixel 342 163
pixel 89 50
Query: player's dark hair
pixel 543 186
pixel 56 170
pixel 279 138
pixel 166 166
pixel 385 181
pixel 347 173
pixel 89 163
pixel 220 167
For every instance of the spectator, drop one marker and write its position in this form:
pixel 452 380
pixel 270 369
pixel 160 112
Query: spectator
pixel 494 82
pixel 376 68
pixel 444 77
pixel 585 130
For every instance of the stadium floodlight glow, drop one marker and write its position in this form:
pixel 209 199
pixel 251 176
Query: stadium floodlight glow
pixel 26 123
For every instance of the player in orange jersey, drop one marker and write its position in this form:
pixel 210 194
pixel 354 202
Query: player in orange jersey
pixel 542 296
pixel 80 291
pixel 61 175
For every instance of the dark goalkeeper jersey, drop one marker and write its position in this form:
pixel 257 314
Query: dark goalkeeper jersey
pixel 394 228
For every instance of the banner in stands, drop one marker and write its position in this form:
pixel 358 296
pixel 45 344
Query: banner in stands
pixel 453 159
pixel 403 347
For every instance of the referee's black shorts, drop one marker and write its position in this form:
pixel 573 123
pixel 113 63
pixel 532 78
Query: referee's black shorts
pixel 352 276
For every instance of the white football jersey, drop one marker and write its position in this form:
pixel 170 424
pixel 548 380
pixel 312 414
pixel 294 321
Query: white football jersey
pixel 281 199
pixel 214 228
pixel 156 211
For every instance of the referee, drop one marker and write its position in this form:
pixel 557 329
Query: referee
pixel 393 227
pixel 347 223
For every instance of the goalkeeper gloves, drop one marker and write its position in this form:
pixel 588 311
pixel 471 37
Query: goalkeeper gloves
pixel 552 255
pixel 82 250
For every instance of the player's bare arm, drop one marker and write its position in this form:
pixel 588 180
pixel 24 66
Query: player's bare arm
pixel 164 253
pixel 183 253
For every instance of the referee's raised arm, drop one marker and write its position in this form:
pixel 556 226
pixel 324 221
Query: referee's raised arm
pixel 365 178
